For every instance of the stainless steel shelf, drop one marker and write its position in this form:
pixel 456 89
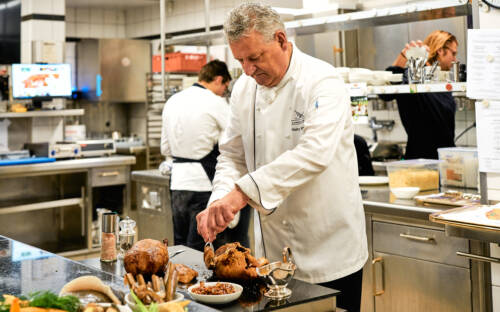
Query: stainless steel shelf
pixel 414 12
pixel 43 205
pixel 43 113
pixel 419 11
pixel 456 88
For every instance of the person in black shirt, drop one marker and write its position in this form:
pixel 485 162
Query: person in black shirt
pixel 428 118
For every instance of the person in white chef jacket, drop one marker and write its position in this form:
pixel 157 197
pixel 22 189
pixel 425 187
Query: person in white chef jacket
pixel 192 122
pixel 288 151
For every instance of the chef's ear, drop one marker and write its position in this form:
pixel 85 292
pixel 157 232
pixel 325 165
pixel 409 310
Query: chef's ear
pixel 440 52
pixel 218 79
pixel 280 36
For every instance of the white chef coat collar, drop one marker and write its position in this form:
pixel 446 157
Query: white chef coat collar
pixel 289 72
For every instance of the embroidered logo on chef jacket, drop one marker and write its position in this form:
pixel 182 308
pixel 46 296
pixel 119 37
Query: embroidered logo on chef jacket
pixel 298 122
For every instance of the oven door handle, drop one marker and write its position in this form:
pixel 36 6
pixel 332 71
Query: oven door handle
pixel 478 257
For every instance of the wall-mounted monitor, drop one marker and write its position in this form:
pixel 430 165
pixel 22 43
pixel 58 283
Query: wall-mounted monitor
pixel 41 81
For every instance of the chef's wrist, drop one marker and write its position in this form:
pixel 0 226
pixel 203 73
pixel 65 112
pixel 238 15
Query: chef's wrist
pixel 242 197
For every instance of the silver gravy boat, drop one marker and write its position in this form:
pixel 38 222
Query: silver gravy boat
pixel 277 276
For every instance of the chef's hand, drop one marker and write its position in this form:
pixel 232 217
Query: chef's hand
pixel 401 59
pixel 216 217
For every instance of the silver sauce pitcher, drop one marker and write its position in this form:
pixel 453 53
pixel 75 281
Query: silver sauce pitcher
pixel 277 276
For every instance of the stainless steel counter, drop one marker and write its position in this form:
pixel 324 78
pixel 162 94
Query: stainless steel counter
pixel 62 198
pixel 66 165
pixel 379 199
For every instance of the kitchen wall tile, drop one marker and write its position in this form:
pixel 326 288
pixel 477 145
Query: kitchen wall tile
pixel 41 7
pixel 27 31
pixel 110 31
pixel 82 30
pixel 96 30
pixel 143 14
pixel 25 51
pixel 70 29
pixel 110 16
pixel 155 24
pixel 199 20
pixel 130 16
pixel 26 7
pixel 82 15
pixel 58 7
pixel 58 31
pixel 96 16
pixel 121 17
pixel 155 12
pixel 472 137
pixel 42 30
pixel 70 15
pixel 120 31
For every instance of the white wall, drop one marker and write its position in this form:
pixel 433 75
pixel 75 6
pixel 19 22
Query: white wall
pixel 95 23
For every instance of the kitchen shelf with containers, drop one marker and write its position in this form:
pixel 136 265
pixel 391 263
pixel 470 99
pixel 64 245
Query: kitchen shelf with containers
pixel 44 113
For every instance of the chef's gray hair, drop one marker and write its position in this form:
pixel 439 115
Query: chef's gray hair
pixel 252 16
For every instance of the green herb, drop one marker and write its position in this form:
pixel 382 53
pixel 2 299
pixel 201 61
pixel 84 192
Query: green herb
pixel 47 299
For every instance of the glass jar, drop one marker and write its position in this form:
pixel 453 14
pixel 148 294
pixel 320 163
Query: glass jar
pixel 126 235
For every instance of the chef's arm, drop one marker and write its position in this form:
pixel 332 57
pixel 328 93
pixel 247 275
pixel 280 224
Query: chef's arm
pixel 326 115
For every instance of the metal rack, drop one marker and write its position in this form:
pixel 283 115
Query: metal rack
pixel 360 89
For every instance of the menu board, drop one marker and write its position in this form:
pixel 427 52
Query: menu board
pixel 488 135
pixel 483 64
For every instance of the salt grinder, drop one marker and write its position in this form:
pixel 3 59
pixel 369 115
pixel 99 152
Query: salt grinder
pixel 108 237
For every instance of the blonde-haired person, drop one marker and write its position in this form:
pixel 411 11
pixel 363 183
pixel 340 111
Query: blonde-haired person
pixel 288 152
pixel 428 118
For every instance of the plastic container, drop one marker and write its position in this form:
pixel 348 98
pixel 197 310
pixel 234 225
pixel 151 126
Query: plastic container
pixel 459 166
pixel 180 62
pixel 422 173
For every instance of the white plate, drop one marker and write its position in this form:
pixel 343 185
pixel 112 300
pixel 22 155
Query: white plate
pixel 216 299
pixel 405 192
pixel 131 302
pixel 373 180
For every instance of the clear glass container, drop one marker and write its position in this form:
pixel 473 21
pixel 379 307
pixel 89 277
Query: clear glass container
pixel 126 235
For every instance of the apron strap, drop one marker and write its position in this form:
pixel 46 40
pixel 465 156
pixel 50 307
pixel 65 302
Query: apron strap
pixel 208 162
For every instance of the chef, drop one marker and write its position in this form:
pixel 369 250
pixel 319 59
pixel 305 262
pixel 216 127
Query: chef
pixel 289 152
pixel 428 118
pixel 193 121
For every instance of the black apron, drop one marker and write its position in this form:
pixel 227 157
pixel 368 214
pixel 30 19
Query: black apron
pixel 208 162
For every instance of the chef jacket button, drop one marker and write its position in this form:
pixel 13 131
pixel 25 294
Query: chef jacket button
pixel 287 136
pixel 258 109
pixel 259 136
pixel 284 222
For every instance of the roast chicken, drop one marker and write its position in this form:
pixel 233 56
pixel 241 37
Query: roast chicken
pixel 147 257
pixel 232 261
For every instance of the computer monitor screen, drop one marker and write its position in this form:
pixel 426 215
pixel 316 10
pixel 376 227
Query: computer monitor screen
pixel 31 81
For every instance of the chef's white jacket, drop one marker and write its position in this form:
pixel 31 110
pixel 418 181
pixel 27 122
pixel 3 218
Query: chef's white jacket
pixel 192 122
pixel 297 155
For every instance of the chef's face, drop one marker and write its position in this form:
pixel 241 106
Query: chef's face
pixel 447 55
pixel 266 62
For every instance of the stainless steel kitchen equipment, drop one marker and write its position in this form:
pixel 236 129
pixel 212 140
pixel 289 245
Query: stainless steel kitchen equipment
pixel 99 147
pixel 153 205
pixel 54 150
pixel 113 70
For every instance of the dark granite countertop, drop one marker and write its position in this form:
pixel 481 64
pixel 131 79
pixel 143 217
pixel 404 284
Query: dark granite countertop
pixel 301 292
pixel 25 269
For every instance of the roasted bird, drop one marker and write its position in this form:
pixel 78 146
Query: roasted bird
pixel 232 261
pixel 147 257
pixel 186 274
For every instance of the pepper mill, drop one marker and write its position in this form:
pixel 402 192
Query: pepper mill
pixel 109 237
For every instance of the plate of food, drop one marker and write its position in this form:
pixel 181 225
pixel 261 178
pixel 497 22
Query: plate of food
pixel 215 292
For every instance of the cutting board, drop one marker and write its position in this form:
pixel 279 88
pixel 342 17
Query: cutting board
pixel 458 199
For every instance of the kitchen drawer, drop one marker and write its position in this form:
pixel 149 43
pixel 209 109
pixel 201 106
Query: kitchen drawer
pixel 419 243
pixel 109 176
